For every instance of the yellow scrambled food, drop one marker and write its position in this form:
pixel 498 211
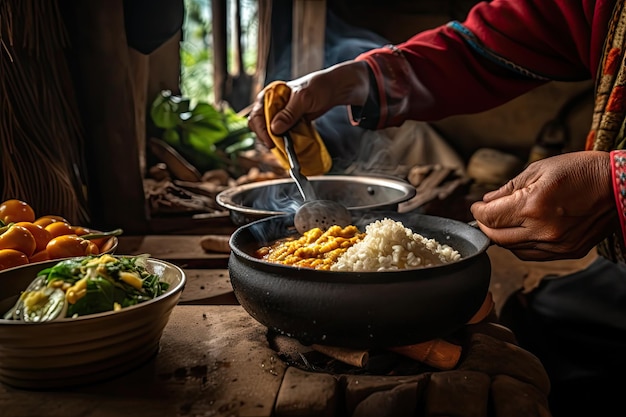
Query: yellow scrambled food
pixel 314 249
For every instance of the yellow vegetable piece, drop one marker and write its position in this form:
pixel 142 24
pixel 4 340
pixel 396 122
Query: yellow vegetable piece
pixel 77 291
pixel 315 249
pixel 131 279
pixel 34 298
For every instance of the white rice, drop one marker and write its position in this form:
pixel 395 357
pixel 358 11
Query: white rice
pixel 388 245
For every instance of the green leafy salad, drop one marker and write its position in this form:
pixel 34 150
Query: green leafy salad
pixel 81 286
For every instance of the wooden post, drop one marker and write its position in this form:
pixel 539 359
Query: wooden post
pixel 307 50
pixel 108 100
pixel 220 39
pixel 263 45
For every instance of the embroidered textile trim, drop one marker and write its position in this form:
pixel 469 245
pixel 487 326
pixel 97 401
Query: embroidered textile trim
pixel 491 55
pixel 394 76
pixel 618 174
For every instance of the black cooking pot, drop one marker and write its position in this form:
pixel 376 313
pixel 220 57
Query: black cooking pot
pixel 362 309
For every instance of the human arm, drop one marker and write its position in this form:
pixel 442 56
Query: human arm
pixel 311 96
pixel 557 208
pixel 502 50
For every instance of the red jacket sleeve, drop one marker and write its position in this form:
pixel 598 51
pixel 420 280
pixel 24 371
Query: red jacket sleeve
pixel 502 50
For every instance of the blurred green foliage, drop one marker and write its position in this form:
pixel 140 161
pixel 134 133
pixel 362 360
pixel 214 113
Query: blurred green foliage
pixel 196 48
pixel 206 137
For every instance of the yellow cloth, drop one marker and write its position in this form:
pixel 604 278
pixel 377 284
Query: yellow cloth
pixel 312 153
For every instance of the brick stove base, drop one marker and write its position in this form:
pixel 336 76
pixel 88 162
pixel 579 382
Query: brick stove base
pixel 316 359
pixel 494 378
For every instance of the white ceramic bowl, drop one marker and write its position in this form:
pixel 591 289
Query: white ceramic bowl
pixel 86 349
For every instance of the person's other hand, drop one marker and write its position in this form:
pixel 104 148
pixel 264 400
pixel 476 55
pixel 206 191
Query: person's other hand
pixel 557 208
pixel 311 96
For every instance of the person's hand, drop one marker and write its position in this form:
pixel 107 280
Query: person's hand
pixel 557 208
pixel 311 96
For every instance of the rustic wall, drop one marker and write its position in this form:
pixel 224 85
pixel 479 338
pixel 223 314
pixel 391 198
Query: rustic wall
pixel 514 127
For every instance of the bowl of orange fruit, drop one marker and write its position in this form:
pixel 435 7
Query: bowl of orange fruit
pixel 27 238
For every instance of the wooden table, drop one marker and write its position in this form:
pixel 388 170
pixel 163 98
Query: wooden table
pixel 214 359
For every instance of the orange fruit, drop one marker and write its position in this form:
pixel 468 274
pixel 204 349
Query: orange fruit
pixel 92 249
pixel 59 229
pixel 66 246
pixel 80 230
pixel 40 256
pixel 16 211
pixel 18 238
pixel 11 257
pixel 43 221
pixel 41 235
pixel 101 242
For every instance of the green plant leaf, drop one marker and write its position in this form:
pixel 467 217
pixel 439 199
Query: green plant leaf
pixel 166 109
pixel 198 132
pixel 172 137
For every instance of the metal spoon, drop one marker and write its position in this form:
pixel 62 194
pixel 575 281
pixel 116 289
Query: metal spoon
pixel 313 212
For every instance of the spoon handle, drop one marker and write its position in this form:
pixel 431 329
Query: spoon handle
pixel 303 184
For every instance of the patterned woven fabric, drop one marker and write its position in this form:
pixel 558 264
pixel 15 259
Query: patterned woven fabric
pixel 607 132
pixel 608 122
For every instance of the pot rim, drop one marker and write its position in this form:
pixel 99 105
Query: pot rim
pixel 226 197
pixel 299 273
